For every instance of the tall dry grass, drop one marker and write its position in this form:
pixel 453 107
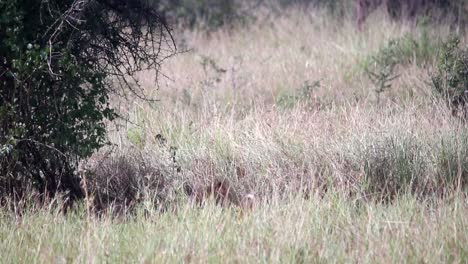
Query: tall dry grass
pixel 280 121
pixel 284 107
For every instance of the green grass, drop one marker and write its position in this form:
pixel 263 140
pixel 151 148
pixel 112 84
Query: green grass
pixel 328 229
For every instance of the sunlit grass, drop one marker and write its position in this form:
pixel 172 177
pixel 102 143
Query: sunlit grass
pixel 328 229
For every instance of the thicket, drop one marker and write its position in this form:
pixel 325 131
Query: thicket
pixel 60 60
pixel 211 14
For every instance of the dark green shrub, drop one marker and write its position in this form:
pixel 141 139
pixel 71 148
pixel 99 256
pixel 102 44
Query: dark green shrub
pixel 59 62
pixel 450 81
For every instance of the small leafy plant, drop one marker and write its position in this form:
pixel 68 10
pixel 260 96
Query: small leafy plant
pixel 382 71
pixel 288 99
pixel 380 68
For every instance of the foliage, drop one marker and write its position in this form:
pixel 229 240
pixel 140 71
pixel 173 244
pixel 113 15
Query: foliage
pixel 380 67
pixel 382 71
pixel 57 59
pixel 451 77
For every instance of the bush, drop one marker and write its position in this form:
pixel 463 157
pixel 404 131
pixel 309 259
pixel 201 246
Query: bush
pixel 59 62
pixel 450 80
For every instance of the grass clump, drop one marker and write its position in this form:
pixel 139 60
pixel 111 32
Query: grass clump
pixel 451 162
pixel 392 166
pixel 398 165
pixel 117 184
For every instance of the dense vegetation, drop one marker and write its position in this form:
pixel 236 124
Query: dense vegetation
pixel 286 132
pixel 60 62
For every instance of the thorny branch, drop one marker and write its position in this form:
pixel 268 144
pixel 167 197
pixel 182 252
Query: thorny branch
pixel 132 37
